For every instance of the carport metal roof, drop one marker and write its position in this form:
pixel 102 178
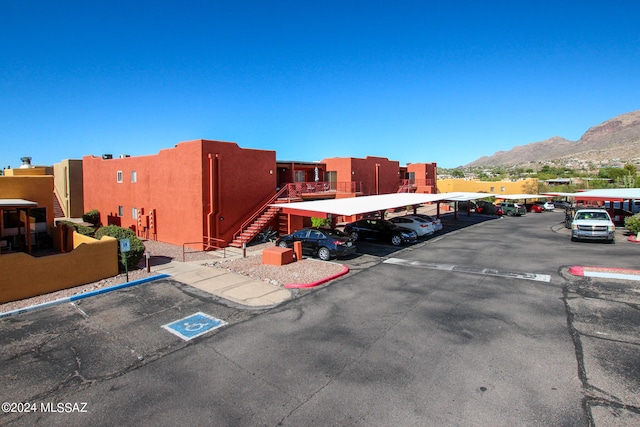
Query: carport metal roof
pixel 17 203
pixel 521 196
pixel 611 194
pixel 364 204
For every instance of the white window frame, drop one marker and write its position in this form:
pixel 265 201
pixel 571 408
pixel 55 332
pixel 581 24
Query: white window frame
pixel 119 176
pixel 120 211
pixel 134 213
pixel 134 176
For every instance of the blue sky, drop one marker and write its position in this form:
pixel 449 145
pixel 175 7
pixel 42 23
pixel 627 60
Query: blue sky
pixel 414 81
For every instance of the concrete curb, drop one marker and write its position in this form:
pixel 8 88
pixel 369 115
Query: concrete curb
pixel 344 271
pixel 605 272
pixel 82 295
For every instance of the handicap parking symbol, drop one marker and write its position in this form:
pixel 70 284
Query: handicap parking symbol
pixel 193 326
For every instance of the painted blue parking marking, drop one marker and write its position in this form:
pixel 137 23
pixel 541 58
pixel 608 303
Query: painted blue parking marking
pixel 193 326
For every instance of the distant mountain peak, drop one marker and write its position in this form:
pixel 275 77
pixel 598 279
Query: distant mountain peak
pixel 617 138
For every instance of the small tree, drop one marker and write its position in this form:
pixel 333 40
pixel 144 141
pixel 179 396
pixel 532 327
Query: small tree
pixel 136 252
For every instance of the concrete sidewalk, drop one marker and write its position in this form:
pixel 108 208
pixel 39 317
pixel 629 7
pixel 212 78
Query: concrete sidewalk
pixel 233 287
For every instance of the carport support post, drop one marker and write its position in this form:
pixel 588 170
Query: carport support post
pixel 244 249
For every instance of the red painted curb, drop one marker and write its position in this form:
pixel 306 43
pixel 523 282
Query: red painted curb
pixel 344 271
pixel 576 270
pixel 633 239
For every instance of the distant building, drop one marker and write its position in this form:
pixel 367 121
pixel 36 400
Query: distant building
pixel 520 186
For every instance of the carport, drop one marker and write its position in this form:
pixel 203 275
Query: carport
pixel 605 195
pixel 20 205
pixel 352 206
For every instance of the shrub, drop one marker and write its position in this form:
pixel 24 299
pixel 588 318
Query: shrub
pixel 85 231
pixel 632 223
pixel 81 229
pixel 137 247
pixel 92 217
pixel 320 222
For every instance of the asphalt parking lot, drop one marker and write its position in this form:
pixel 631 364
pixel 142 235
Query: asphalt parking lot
pixel 441 332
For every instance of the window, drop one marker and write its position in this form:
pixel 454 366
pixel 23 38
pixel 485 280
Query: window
pixel 502 189
pixel 119 176
pixel 492 189
pixel 120 211
pixel 134 213
pixel 134 177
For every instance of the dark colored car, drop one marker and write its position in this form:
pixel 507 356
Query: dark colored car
pixel 380 229
pixel 326 243
pixel 484 207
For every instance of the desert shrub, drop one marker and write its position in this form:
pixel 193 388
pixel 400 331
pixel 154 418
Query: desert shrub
pixel 137 247
pixel 92 217
pixel 82 229
pixel 320 222
pixel 85 231
pixel 632 223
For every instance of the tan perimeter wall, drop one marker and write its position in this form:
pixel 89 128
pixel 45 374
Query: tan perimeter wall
pixel 23 276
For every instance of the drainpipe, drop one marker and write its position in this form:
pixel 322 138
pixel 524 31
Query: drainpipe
pixel 377 178
pixel 213 186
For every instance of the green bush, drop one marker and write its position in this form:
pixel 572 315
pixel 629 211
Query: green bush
pixel 92 217
pixel 320 222
pixel 137 247
pixel 632 223
pixel 85 231
pixel 81 229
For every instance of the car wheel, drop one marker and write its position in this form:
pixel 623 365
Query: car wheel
pixel 396 240
pixel 573 239
pixel 509 213
pixel 532 210
pixel 324 254
pixel 354 234
pixel 283 244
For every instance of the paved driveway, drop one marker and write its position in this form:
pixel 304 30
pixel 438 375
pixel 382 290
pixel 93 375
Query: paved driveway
pixel 468 329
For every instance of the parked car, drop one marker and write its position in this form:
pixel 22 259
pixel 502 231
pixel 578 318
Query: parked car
pixel 511 209
pixel 321 242
pixel 484 207
pixel 380 229
pixel 561 204
pixel 499 211
pixel 619 216
pixel 534 207
pixel 592 224
pixel 421 226
pixel 437 224
pixel 548 206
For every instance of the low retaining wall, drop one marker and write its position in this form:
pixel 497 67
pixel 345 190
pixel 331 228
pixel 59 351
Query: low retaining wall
pixel 24 276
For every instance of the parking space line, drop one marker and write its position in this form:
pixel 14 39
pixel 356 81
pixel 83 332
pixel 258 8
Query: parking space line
pixel 470 270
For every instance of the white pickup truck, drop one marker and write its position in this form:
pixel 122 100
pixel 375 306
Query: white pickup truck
pixel 592 224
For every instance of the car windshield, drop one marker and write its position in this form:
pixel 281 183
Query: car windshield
pixel 601 216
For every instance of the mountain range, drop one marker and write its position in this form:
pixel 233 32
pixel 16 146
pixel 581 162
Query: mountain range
pixel 615 141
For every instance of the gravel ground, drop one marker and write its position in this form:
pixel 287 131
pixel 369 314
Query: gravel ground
pixel 304 271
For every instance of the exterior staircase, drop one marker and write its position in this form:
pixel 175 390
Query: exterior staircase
pixel 250 231
pixel 58 212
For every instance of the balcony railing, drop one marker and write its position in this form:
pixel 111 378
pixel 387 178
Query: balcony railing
pixel 298 189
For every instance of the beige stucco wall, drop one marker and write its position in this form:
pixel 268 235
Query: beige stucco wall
pixel 23 276
pixel 68 187
pixel 528 185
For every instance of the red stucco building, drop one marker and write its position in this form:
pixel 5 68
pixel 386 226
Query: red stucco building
pixel 212 193
pixel 197 191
